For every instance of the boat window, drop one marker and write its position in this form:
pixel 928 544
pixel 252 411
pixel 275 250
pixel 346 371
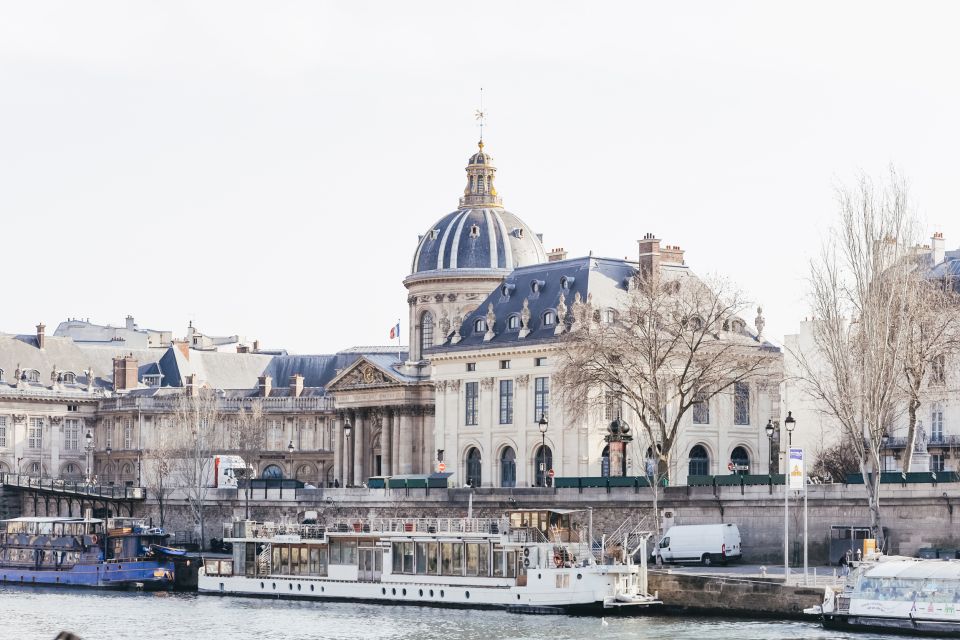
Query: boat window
pixel 433 549
pixel 473 558
pixel 457 560
pixel 498 563
pixel 511 564
pixel 421 558
pixel 446 558
pixel 408 557
pixel 284 559
pixel 335 552
pixel 348 552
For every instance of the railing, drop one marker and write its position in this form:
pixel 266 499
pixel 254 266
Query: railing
pixel 388 525
pixel 47 392
pixel 935 440
pixel 310 403
pixel 72 487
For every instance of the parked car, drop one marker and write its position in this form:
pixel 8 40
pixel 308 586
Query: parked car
pixel 703 543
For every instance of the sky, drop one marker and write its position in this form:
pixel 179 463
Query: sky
pixel 265 168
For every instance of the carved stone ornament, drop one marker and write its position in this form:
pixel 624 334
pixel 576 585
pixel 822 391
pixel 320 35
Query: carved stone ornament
pixel 55 420
pixel 525 319
pixel 561 315
pixel 411 299
pixel 19 417
pixel 441 385
pixel 759 322
pixel 486 383
pixel 455 385
pixel 451 297
pixel 577 310
pixel 424 299
pixel 365 375
pixel 523 381
pixel 444 324
pixel 491 323
pixel 457 321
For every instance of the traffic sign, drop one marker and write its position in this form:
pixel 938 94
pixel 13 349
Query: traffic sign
pixel 730 466
pixel 550 473
pixel 442 467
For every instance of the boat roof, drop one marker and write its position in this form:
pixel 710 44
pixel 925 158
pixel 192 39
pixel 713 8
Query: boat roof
pixel 51 519
pixel 915 569
pixel 562 512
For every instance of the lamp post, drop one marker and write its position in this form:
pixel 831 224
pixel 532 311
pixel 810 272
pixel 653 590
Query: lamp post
pixel 771 429
pixel 884 440
pixel 88 447
pixel 789 424
pixel 290 449
pixel 110 464
pixel 347 454
pixel 542 423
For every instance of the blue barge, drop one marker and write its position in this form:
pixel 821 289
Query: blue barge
pixel 83 552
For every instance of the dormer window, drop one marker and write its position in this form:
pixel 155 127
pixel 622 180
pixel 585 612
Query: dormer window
pixel 32 375
pixel 479 325
pixel 1 375
pixel 474 231
pixel 68 377
pixel 608 316
pixel 151 381
pixel 513 322
pixel 737 325
pixel 507 288
pixel 567 282
pixel 435 234
pixel 518 233
pixel 536 286
pixel 549 318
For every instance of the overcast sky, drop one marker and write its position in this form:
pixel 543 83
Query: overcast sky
pixel 266 168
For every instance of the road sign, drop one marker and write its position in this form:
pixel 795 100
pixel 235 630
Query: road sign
pixel 796 470
pixel 442 467
pixel 730 466
pixel 550 473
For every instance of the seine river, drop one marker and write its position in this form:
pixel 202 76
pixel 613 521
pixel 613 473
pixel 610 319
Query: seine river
pixel 39 614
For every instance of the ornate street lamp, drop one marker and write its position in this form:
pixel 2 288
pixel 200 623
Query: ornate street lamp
pixel 88 447
pixel 772 428
pixel 618 435
pixel 110 464
pixel 790 424
pixel 542 423
pixel 347 454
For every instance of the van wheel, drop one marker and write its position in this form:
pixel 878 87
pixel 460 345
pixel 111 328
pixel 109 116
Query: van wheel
pixel 706 560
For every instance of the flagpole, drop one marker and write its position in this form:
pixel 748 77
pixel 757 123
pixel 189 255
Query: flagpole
pixel 398 341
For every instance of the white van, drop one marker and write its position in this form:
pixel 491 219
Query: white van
pixel 703 543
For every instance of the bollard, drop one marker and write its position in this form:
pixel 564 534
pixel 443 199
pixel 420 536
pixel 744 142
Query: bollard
pixel 763 571
pixel 814 576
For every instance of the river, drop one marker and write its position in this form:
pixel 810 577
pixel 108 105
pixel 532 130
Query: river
pixel 41 613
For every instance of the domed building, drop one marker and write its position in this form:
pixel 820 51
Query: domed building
pixel 464 256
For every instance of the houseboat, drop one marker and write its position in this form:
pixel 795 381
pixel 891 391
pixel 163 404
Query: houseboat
pixel 83 552
pixel 898 595
pixel 528 561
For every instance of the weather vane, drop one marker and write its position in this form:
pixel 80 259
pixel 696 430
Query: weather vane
pixel 481 115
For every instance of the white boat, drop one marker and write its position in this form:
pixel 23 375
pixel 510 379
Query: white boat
pixel 528 561
pixel 898 595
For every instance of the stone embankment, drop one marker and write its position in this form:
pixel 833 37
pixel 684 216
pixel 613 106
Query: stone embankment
pixel 731 596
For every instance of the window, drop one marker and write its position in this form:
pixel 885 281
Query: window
pixel 741 461
pixel 71 434
pixel 504 364
pixel 3 431
pixel 611 404
pixel 936 462
pixel 701 409
pixel 938 370
pixel 549 318
pixel 608 316
pixel 426 331
pixel 272 472
pixel 539 362
pixel 471 366
pixel 541 398
pixel 473 467
pixel 741 403
pixel 128 433
pixel 73 408
pixel 544 463
pixel 68 378
pixel 33 375
pixel 699 462
pixel 152 381
pixel 276 436
pixel 513 322
pixel 472 395
pixel 936 423
pixel 35 433
pixel 508 467
pixel 479 325
pixel 506 402
pixel 107 434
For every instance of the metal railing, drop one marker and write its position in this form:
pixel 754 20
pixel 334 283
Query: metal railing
pixel 389 525
pixel 72 487
pixel 939 439
pixel 309 403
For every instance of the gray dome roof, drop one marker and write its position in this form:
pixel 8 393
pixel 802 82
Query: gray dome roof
pixel 487 238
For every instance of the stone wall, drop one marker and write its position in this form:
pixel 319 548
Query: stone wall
pixel 731 595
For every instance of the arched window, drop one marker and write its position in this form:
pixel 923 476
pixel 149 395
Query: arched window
pixel 304 472
pixel 513 322
pixel 479 325
pixel 508 467
pixel 543 463
pixel 473 467
pixel 699 462
pixel 71 472
pixel 272 472
pixel 68 377
pixel 426 331
pixel 549 318
pixel 33 375
pixel 605 462
pixel 741 461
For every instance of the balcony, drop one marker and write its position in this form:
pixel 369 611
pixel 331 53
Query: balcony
pixel 939 440
pixel 229 405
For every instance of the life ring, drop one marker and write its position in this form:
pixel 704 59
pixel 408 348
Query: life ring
pixel 557 560
pixel 526 562
pixel 526 552
pixel 94 539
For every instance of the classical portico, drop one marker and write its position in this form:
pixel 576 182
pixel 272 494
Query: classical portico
pixel 389 410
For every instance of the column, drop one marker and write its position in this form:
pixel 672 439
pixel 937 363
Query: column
pixel 395 441
pixel 406 441
pixel 358 447
pixel 337 446
pixel 386 442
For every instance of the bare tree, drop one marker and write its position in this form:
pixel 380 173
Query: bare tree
pixel 159 460
pixel 835 461
pixel 932 325
pixel 859 287
pixel 196 417
pixel 677 342
pixel 249 439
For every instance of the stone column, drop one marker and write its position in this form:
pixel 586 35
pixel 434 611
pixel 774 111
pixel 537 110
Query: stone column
pixel 395 441
pixel 406 441
pixel 359 429
pixel 386 442
pixel 337 446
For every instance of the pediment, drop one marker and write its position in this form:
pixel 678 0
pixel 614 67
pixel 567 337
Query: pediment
pixel 362 374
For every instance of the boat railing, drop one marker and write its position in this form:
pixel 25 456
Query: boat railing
pixel 419 525
pixel 528 535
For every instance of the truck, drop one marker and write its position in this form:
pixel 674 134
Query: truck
pixel 228 469
pixel 703 543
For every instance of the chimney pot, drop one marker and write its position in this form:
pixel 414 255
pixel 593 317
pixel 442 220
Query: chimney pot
pixel 41 335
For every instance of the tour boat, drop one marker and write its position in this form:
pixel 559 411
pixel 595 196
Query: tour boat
pixel 898 595
pixel 84 552
pixel 528 561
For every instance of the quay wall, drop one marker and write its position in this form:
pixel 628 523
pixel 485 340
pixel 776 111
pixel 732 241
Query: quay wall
pixel 729 595
pixel 916 516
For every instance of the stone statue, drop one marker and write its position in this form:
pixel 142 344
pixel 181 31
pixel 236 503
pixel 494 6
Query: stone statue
pixel 525 318
pixel 920 443
pixel 491 322
pixel 759 322
pixel 561 315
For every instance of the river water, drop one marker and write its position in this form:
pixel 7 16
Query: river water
pixel 39 614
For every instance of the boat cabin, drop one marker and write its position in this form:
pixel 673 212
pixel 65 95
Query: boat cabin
pixel 554 524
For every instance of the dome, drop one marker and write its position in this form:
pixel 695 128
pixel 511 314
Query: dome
pixel 481 234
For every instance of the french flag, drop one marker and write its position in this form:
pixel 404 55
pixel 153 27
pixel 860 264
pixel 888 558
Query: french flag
pixel 395 331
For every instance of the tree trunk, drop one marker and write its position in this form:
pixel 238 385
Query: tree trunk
pixel 871 483
pixel 912 407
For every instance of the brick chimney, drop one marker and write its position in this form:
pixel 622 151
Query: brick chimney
pixel 242 348
pixel 556 255
pixel 671 254
pixel 937 247
pixel 130 323
pixel 256 346
pixel 264 386
pixel 296 385
pixel 124 373
pixel 183 347
pixel 649 256
pixel 41 336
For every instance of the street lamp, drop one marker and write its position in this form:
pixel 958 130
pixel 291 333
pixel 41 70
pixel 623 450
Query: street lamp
pixel 109 463
pixel 884 440
pixel 88 447
pixel 789 424
pixel 542 423
pixel 347 453
pixel 771 428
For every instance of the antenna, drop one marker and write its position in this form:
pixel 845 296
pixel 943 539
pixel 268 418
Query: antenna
pixel 481 115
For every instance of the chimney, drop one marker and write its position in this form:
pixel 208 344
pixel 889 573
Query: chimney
pixel 936 244
pixel 124 373
pixel 41 336
pixel 242 348
pixel 556 255
pixel 130 323
pixel 649 256
pixel 264 386
pixel 296 385
pixel 183 347
pixel 256 346
pixel 671 255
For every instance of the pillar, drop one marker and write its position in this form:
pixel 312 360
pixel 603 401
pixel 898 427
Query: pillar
pixel 359 429
pixel 406 441
pixel 395 441
pixel 386 442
